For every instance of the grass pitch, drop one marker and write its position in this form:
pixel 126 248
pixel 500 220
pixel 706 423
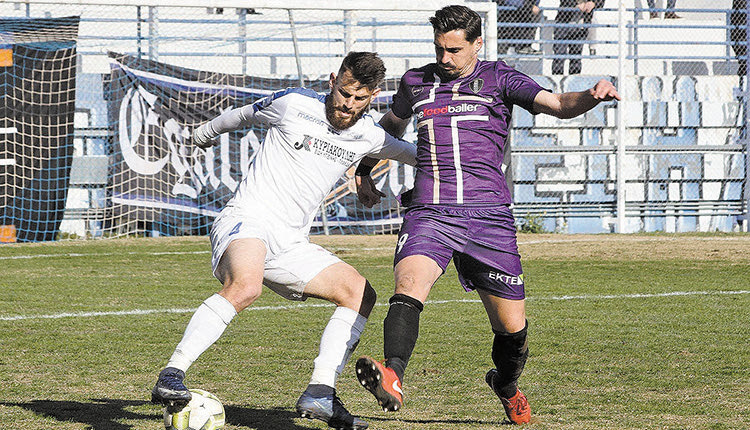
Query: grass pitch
pixel 626 332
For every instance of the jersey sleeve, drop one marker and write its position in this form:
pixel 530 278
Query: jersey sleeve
pixel 518 88
pixel 268 110
pixel 401 105
pixel 393 148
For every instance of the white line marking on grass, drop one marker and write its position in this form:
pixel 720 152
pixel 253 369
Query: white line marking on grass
pixel 640 296
pixel 323 305
pixel 96 314
pixel 98 254
pixel 154 311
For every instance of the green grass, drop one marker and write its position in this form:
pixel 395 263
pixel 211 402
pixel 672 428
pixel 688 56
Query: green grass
pixel 602 357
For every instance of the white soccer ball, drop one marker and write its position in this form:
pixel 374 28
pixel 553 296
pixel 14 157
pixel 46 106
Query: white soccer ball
pixel 204 412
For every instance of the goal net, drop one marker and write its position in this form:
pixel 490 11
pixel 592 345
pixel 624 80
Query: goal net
pixel 37 74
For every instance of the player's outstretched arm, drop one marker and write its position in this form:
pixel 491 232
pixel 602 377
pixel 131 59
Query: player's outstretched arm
pixel 571 104
pixel 204 136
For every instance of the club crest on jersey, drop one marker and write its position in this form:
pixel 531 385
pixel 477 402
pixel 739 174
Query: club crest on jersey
pixel 415 91
pixel 476 85
pixel 304 144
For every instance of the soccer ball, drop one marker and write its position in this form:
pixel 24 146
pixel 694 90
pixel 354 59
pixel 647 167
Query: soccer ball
pixel 204 412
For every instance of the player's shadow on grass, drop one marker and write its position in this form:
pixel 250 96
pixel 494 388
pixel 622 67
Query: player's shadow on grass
pixel 267 419
pixel 452 423
pixel 100 414
pixel 284 419
pixel 107 414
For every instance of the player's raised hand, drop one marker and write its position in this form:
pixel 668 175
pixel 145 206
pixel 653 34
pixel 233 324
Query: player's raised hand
pixel 203 138
pixel 605 91
pixel 367 193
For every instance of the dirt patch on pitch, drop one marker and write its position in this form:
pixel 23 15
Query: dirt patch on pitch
pixel 637 247
pixel 726 247
pixel 733 247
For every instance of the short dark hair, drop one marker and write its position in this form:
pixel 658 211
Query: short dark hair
pixel 457 17
pixel 366 67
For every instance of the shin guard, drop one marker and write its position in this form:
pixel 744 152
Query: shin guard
pixel 400 330
pixel 509 353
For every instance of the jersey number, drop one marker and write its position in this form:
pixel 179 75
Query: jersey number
pixel 236 229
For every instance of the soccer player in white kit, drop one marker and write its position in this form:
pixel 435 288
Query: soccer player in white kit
pixel 261 236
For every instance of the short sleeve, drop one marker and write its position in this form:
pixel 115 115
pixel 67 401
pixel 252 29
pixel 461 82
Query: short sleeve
pixel 394 148
pixel 518 88
pixel 401 105
pixel 271 109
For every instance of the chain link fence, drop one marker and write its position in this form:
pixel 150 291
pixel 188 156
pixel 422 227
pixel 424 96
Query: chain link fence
pixel 672 156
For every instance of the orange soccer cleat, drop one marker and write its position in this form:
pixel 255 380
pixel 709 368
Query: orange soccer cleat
pixel 517 407
pixel 382 382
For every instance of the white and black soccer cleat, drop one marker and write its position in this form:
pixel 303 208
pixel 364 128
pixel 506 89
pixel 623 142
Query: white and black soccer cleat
pixel 170 391
pixel 327 408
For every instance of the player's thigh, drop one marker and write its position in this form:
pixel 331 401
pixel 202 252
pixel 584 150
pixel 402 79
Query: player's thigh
pixel 248 240
pixel 425 246
pixel 240 270
pixel 338 283
pixel 505 315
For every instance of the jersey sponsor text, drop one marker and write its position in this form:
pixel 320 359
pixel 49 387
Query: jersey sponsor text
pixel 462 108
pixel 507 279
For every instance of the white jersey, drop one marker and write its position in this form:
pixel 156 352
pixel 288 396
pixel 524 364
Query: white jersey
pixel 303 155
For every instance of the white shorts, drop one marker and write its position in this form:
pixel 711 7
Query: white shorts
pixel 291 260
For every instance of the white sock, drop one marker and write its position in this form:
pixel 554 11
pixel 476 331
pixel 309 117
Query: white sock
pixel 205 327
pixel 339 339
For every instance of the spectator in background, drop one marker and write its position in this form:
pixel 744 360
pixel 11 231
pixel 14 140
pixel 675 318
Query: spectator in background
pixel 669 14
pixel 569 38
pixel 738 34
pixel 517 11
pixel 591 33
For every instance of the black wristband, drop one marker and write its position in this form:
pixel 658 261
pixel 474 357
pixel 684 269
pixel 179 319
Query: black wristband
pixel 363 169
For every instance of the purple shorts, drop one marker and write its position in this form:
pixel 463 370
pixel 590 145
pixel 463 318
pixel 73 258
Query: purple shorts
pixel 481 242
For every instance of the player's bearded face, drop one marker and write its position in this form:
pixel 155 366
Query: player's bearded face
pixel 348 101
pixel 456 57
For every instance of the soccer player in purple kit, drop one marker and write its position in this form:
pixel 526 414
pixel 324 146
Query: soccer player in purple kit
pixel 460 203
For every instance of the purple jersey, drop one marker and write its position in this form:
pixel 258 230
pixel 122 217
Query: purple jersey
pixel 462 129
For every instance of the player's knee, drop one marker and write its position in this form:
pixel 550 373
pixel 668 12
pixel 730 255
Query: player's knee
pixel 241 292
pixel 407 284
pixel 358 294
